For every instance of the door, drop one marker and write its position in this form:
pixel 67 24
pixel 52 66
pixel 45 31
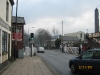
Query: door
pixel 96 62
pixel 85 62
pixel 9 47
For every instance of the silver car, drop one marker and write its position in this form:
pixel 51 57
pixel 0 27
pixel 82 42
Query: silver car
pixel 40 49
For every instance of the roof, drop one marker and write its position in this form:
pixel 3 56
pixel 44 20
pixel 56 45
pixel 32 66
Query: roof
pixel 19 20
pixel 55 37
pixel 68 38
pixel 75 32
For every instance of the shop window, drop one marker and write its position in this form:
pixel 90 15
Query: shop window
pixel 4 41
pixel 81 35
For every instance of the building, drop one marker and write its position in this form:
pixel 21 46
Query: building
pixel 19 31
pixel 96 20
pixel 5 31
pixel 70 40
pixel 79 34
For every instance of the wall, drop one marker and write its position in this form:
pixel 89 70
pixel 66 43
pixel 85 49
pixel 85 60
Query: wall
pixel 3 11
pixel 77 34
pixel 3 17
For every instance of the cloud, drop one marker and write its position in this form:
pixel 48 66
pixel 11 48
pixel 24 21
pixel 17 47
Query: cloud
pixel 70 24
pixel 77 15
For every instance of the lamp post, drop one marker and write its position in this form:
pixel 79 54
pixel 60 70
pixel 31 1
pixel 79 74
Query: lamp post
pixel 16 30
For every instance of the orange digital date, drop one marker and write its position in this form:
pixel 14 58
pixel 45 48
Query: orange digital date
pixel 85 67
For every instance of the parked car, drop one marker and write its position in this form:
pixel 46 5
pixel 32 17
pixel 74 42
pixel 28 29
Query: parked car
pixel 88 61
pixel 40 49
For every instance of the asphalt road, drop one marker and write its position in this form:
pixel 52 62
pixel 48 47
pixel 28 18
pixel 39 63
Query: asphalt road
pixel 59 61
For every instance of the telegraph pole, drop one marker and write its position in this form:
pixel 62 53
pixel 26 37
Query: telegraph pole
pixel 62 33
pixel 16 31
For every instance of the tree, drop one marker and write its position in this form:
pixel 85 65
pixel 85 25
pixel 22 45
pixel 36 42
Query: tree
pixel 43 36
pixel 26 39
pixel 58 42
pixel 55 31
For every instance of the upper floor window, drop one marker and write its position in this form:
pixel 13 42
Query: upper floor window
pixel 19 29
pixel 7 11
pixel 81 35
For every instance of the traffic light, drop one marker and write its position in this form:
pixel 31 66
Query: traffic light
pixel 32 36
pixel 87 36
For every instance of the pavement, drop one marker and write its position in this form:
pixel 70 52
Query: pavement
pixel 28 66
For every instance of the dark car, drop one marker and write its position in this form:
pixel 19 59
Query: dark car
pixel 88 61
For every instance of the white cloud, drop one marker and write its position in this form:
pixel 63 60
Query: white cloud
pixel 30 1
pixel 70 24
pixel 77 15
pixel 35 1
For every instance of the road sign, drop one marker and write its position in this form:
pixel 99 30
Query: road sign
pixel 17 36
pixel 32 41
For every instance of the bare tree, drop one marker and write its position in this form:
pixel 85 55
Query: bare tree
pixel 26 38
pixel 43 36
pixel 55 31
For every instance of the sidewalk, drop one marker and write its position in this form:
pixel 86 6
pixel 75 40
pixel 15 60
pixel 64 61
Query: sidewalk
pixel 28 66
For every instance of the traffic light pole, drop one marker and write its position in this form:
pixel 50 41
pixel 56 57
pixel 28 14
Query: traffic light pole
pixel 31 41
pixel 31 49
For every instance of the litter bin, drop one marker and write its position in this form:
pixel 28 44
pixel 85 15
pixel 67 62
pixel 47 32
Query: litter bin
pixel 20 53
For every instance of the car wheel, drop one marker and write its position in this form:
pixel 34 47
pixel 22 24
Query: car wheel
pixel 73 68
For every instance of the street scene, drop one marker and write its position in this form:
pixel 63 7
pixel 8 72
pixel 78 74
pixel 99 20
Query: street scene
pixel 59 61
pixel 49 37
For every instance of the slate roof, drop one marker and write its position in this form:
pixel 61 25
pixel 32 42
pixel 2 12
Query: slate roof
pixel 19 20
pixel 68 38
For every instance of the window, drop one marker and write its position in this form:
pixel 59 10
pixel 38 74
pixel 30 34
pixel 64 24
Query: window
pixel 19 29
pixel 81 35
pixel 13 28
pixel 7 11
pixel 4 41
pixel 87 55
pixel 96 55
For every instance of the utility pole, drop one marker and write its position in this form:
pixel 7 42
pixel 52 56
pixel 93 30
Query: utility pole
pixel 62 33
pixel 16 31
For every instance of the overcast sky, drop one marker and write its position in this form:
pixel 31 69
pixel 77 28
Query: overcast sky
pixel 77 15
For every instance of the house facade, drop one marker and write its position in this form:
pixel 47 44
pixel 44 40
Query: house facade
pixel 5 31
pixel 19 30
pixel 70 40
pixel 79 34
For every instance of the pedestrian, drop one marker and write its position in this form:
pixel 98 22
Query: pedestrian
pixel 83 48
pixel 65 48
pixel 79 50
pixel 60 47
pixel 88 48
